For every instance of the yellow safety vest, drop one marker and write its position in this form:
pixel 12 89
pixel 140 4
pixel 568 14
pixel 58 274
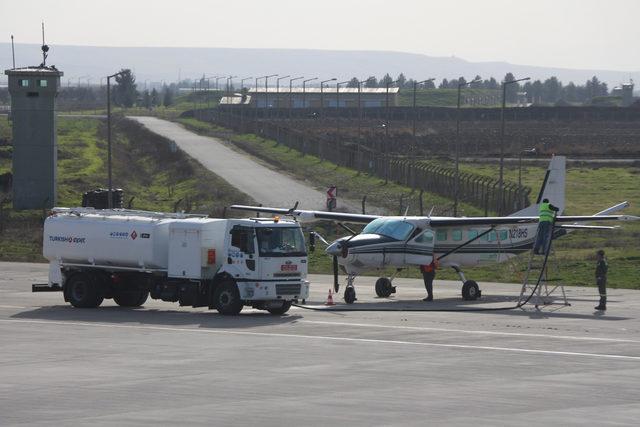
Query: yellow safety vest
pixel 546 214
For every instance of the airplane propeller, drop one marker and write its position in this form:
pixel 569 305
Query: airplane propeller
pixel 336 285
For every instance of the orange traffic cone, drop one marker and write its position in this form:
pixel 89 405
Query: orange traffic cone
pixel 330 299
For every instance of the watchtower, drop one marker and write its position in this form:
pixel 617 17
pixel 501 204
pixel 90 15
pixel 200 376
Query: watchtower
pixel 35 149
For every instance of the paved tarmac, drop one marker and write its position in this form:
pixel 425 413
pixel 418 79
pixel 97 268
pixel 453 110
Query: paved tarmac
pixel 162 364
pixel 264 185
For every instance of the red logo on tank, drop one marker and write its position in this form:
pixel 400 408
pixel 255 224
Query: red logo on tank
pixel 134 235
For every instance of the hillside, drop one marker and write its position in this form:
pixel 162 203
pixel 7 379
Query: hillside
pixel 167 64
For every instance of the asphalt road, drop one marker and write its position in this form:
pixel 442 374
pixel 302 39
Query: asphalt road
pixel 162 364
pixel 264 185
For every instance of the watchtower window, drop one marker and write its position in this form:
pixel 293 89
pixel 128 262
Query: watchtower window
pixel 23 82
pixel 42 83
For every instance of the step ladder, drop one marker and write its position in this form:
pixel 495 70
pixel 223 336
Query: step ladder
pixel 538 288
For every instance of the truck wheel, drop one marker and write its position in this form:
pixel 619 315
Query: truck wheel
pixel 384 288
pixel 131 298
pixel 226 298
pixel 279 311
pixel 470 291
pixel 82 291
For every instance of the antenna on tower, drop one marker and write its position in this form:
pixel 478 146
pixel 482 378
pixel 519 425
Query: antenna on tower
pixel 13 53
pixel 44 48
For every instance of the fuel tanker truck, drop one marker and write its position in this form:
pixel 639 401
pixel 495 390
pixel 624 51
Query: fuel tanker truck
pixel 196 261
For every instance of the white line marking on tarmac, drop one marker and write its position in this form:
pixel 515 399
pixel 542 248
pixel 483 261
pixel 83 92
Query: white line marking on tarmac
pixel 464 331
pixel 11 306
pixel 326 338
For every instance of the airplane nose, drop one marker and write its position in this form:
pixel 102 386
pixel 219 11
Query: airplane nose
pixel 334 249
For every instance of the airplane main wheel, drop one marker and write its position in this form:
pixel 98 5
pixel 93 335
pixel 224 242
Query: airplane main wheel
pixel 350 295
pixel 384 288
pixel 470 290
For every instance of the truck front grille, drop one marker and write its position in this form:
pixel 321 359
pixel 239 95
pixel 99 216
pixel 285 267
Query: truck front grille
pixel 288 288
pixel 287 274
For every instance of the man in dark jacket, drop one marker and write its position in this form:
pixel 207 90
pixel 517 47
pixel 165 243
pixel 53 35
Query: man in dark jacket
pixel 601 279
pixel 428 274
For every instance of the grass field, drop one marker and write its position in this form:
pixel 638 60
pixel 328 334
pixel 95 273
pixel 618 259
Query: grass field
pixel 146 166
pixel 588 191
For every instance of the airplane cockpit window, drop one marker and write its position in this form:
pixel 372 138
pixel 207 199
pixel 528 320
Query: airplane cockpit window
pixel 425 238
pixel 394 228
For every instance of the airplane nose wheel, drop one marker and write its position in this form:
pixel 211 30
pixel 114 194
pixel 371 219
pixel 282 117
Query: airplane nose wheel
pixel 470 290
pixel 350 295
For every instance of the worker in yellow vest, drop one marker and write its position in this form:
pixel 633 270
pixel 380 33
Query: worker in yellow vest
pixel 545 227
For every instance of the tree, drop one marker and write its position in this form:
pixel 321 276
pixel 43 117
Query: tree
pixel 125 93
pixel 429 85
pixel 155 98
pixel 512 89
pixel 551 89
pixel 371 82
pixel 570 93
pixel 402 80
pixel 353 82
pixel 461 81
pixel 478 83
pixel 167 97
pixel 146 99
pixel 491 84
pixel 386 79
pixel 444 84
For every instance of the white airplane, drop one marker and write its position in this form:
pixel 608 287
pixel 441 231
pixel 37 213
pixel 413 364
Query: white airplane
pixel 407 241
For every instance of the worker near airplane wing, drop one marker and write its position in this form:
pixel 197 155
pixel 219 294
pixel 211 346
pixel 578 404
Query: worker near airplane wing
pixel 545 226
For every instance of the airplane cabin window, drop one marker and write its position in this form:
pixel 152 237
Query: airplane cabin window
pixel 503 235
pixel 472 234
pixel 456 235
pixel 493 236
pixel 441 235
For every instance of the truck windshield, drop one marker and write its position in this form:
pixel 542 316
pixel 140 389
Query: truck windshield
pixel 394 228
pixel 281 241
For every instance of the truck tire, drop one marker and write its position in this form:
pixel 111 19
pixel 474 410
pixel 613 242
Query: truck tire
pixel 81 290
pixel 279 311
pixel 130 298
pixel 226 298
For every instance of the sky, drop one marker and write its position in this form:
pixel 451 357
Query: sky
pixel 554 33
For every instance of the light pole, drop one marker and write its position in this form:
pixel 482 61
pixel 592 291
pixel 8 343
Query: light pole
pixel 322 94
pixel 242 104
pixel 290 90
pixel 109 169
pixel 266 89
pixel 278 90
pixel 415 88
pixel 229 80
pixel 360 83
pixel 304 88
pixel 338 107
pixel 501 178
pixel 456 189
pixel 386 127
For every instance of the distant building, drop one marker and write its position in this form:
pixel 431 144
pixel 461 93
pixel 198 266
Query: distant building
pixel 625 91
pixel 315 98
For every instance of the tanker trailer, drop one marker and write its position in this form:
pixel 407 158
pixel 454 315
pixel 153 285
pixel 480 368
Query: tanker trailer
pixel 196 261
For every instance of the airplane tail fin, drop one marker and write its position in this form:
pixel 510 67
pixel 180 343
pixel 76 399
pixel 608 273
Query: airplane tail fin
pixel 553 187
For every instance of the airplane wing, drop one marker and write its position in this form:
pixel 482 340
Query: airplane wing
pixel 501 220
pixel 303 215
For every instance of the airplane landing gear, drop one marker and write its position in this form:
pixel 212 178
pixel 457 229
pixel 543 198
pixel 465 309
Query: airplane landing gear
pixel 384 288
pixel 470 289
pixel 350 291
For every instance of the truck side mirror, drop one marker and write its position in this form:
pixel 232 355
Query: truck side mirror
pixel 312 241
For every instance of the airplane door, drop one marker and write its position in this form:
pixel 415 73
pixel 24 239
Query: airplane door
pixel 419 250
